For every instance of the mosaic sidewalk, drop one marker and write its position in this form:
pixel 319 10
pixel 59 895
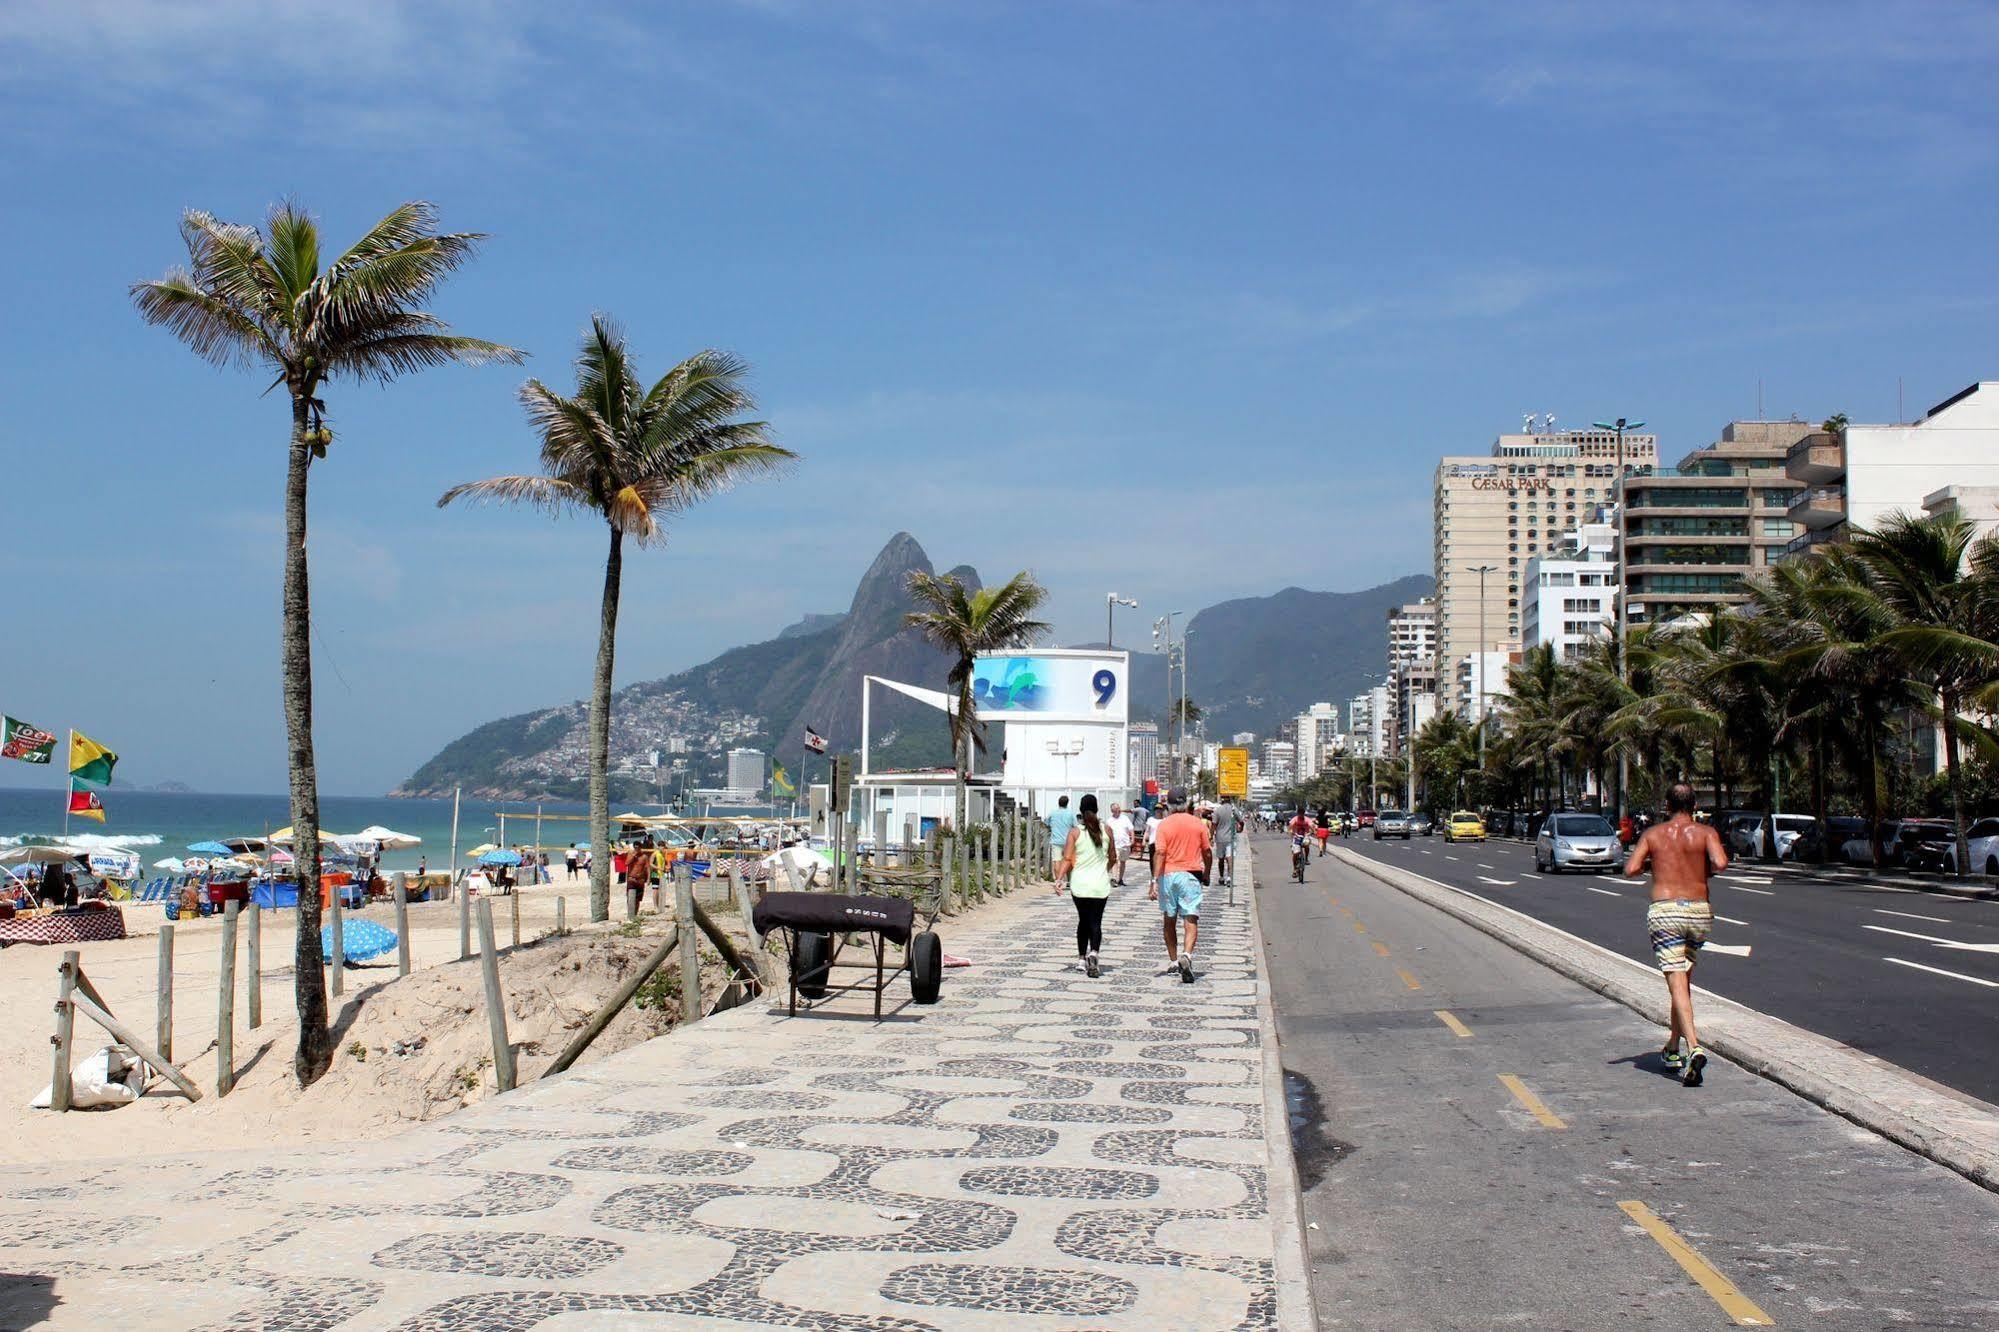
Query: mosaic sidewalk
pixel 1039 1150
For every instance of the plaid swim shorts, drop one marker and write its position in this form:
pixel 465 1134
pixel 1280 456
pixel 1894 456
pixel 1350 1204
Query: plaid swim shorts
pixel 1678 928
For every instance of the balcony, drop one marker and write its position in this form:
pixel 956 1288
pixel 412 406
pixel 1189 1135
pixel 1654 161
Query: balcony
pixel 1807 539
pixel 1820 456
pixel 1819 506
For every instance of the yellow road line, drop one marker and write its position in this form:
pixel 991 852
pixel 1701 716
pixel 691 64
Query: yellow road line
pixel 1450 1020
pixel 1719 1288
pixel 1408 979
pixel 1535 1105
pixel 1380 947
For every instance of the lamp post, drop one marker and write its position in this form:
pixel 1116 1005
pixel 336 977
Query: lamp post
pixel 1478 657
pixel 1180 744
pixel 1111 602
pixel 1619 426
pixel 1162 638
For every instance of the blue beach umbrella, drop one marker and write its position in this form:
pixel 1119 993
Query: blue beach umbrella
pixel 212 849
pixel 500 858
pixel 359 940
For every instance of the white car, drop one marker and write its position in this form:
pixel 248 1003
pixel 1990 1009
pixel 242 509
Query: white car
pixel 1982 840
pixel 1748 838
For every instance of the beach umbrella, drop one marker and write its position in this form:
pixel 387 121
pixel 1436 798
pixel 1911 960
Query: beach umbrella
pixel 212 849
pixel 388 838
pixel 37 855
pixel 360 940
pixel 811 865
pixel 500 858
pixel 481 850
pixel 242 844
pixel 172 865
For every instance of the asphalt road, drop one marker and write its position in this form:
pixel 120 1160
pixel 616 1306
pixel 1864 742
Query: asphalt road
pixel 1867 964
pixel 1485 1143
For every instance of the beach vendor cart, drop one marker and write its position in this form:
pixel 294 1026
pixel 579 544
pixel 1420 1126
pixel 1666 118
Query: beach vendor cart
pixel 818 926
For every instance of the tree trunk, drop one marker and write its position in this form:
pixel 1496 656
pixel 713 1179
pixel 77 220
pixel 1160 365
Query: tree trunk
pixel 315 1043
pixel 1819 810
pixel 1871 788
pixel 600 734
pixel 1949 697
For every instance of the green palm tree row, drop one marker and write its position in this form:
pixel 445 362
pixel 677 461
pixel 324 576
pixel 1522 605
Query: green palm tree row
pixel 631 454
pixel 1834 656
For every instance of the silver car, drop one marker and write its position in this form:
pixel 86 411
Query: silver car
pixel 1391 823
pixel 1576 842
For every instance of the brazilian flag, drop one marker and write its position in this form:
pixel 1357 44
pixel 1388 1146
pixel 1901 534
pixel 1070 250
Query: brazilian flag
pixel 780 781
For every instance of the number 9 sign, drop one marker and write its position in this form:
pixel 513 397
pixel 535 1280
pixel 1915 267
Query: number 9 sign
pixel 1104 682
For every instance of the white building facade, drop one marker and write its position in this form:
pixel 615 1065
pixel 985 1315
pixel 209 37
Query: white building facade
pixel 1571 598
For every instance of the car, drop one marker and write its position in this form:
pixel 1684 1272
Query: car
pixel 1422 824
pixel 1464 826
pixel 1737 828
pixel 1794 831
pixel 1982 840
pixel 1391 823
pixel 1568 840
pixel 1364 819
pixel 1919 843
pixel 1841 829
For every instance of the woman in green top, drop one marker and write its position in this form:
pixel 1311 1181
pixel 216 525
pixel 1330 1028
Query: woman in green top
pixel 1086 870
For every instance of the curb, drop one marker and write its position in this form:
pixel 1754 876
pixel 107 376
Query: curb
pixel 1953 1130
pixel 1290 1272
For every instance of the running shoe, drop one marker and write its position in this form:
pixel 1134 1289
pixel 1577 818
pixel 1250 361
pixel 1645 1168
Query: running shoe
pixel 1696 1065
pixel 1187 968
pixel 1673 1059
pixel 1090 965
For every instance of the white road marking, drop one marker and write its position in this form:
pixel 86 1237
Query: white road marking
pixel 1733 950
pixel 1505 883
pixel 1953 944
pixel 1910 915
pixel 1730 920
pixel 1621 879
pixel 1426 850
pixel 1760 892
pixel 1939 971
pixel 1605 891
pixel 1449 857
pixel 1483 865
pixel 1751 878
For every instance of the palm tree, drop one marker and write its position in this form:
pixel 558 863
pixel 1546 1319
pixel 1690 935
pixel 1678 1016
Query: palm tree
pixel 966 625
pixel 1936 591
pixel 251 297
pixel 634 456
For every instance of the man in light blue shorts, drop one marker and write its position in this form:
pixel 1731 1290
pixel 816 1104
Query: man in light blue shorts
pixel 1182 853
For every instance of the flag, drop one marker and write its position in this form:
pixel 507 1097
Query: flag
pixel 89 761
pixel 83 802
pixel 780 781
pixel 815 741
pixel 30 744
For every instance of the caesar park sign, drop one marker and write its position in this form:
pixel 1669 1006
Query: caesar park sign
pixel 1513 483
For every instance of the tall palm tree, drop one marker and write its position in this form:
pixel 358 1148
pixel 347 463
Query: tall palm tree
pixel 251 297
pixel 634 456
pixel 966 625
pixel 1934 588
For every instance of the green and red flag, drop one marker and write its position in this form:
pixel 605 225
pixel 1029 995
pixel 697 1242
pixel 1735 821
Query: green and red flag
pixel 30 744
pixel 89 761
pixel 83 802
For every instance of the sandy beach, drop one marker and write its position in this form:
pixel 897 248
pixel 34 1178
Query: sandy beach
pixel 406 1051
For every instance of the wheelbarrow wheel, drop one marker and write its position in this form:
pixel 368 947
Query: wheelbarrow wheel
pixel 926 967
pixel 810 960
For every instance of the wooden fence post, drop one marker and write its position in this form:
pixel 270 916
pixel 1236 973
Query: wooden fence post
pixel 496 1013
pixel 253 1001
pixel 402 924
pixel 514 905
pixel 561 916
pixel 612 1007
pixel 464 918
pixel 59 1088
pixel 163 1030
pixel 225 1001
pixel 336 979
pixel 690 955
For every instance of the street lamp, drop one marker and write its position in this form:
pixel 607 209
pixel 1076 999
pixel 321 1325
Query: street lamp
pixel 1162 636
pixel 1619 426
pixel 1111 602
pixel 1479 656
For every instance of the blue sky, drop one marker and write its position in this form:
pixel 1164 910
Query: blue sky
pixel 1178 299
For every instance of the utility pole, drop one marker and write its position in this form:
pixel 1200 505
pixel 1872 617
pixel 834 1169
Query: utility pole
pixel 1478 657
pixel 1623 587
pixel 1181 745
pixel 1111 602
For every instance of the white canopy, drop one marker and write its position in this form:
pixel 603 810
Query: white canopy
pixel 386 838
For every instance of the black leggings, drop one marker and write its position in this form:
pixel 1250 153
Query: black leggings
pixel 1089 924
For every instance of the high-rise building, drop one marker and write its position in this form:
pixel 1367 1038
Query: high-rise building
pixel 1412 633
pixel 1368 723
pixel 1144 741
pixel 746 770
pixel 1482 681
pixel 1242 739
pixel 1858 477
pixel 1571 597
pixel 1279 762
pixel 1311 731
pixel 1415 703
pixel 1692 534
pixel 1500 510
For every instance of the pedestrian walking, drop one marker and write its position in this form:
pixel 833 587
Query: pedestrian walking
pixel 569 859
pixel 1086 873
pixel 1059 824
pixel 1122 836
pixel 1227 823
pixel 638 872
pixel 1181 856
pixel 1681 854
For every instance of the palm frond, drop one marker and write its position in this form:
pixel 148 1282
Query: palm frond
pixel 393 355
pixel 215 330
pixel 544 492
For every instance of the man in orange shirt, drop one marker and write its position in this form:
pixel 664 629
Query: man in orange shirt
pixel 1182 851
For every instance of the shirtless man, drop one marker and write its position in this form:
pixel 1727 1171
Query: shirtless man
pixel 1682 854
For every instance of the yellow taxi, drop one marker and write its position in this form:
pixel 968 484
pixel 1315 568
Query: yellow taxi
pixel 1464 826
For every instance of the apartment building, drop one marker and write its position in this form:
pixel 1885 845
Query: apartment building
pixel 1571 597
pixel 1692 534
pixel 1313 731
pixel 1501 509
pixel 1412 633
pixel 1858 476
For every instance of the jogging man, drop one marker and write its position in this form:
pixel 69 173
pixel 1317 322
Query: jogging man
pixel 1122 836
pixel 1181 856
pixel 1682 854
pixel 1225 830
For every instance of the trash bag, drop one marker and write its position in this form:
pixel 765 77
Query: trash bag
pixel 111 1077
